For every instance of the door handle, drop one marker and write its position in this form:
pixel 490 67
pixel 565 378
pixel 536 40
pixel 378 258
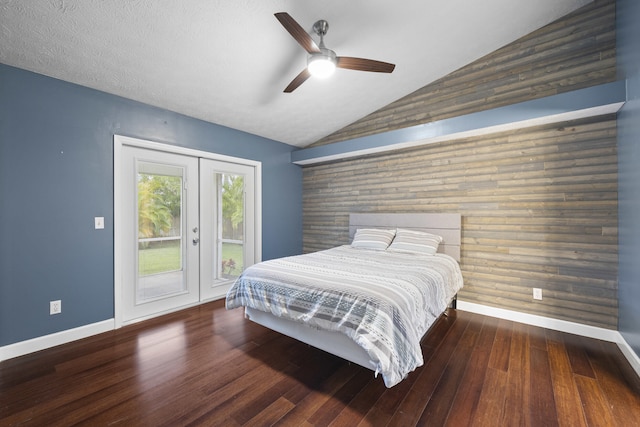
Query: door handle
pixel 196 241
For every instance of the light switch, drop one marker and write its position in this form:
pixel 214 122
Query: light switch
pixel 99 222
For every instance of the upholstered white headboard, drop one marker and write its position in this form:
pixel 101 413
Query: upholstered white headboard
pixel 447 225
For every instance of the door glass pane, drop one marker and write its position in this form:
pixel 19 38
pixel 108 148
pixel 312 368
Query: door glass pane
pixel 230 226
pixel 160 232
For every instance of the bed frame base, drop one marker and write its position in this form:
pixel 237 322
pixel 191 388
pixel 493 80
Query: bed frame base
pixel 332 342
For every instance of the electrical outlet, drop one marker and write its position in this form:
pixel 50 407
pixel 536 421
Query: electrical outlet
pixel 537 293
pixel 55 307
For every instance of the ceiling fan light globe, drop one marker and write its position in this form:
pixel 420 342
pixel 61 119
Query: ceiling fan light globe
pixel 322 65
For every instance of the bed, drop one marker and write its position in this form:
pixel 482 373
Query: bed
pixel 367 302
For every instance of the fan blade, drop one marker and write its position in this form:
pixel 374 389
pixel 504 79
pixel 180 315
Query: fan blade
pixel 362 64
pixel 297 32
pixel 300 78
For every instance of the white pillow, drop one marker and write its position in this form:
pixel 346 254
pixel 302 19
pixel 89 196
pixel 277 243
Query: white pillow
pixel 415 241
pixel 373 238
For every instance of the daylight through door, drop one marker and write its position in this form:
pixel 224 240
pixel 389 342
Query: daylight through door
pixel 161 253
pixel 227 218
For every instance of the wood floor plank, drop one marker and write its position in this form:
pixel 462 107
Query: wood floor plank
pixel 412 406
pixel 596 409
pixel 209 366
pixel 439 405
pixel 492 398
pixel 265 394
pixel 228 400
pixel 542 410
pixel 501 348
pixel 357 409
pixel 568 402
pixel 578 358
pixel 619 384
pixel 386 405
pixel 318 397
pixel 518 399
pixel 466 400
pixel 537 337
pixel 326 413
pixel 270 414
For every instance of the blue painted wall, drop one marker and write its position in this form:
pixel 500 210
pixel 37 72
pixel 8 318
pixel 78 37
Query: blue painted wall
pixel 628 63
pixel 56 175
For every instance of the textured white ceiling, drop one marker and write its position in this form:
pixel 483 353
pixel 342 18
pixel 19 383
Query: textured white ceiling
pixel 227 62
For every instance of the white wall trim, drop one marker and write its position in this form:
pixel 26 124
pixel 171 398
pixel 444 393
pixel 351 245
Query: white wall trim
pixel 557 325
pixel 544 322
pixel 631 355
pixel 46 341
pixel 176 149
pixel 481 131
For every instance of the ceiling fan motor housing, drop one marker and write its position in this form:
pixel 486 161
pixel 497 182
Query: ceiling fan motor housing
pixel 322 64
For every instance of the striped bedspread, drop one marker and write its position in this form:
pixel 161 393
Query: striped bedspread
pixel 385 301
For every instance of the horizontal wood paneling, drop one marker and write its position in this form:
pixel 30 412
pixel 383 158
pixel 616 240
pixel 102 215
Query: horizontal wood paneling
pixel 539 209
pixel 575 52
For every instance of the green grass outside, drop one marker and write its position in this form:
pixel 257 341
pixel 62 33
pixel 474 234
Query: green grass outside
pixel 166 257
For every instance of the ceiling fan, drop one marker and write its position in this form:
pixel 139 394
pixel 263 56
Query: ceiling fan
pixel 323 61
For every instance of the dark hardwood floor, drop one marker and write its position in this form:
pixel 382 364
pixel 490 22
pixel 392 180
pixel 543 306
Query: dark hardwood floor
pixel 209 366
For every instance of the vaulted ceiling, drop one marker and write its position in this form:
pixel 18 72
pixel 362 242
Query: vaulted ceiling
pixel 227 62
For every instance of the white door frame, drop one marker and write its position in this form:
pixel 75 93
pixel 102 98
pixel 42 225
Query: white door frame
pixel 119 234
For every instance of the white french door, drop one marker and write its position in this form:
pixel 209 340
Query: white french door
pixel 161 254
pixel 227 218
pixel 186 226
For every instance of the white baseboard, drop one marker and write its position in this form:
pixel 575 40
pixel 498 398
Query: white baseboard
pixel 557 325
pixel 40 343
pixel 544 322
pixel 631 355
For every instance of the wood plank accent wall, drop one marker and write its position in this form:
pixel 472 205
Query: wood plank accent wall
pixel 539 209
pixel 574 52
